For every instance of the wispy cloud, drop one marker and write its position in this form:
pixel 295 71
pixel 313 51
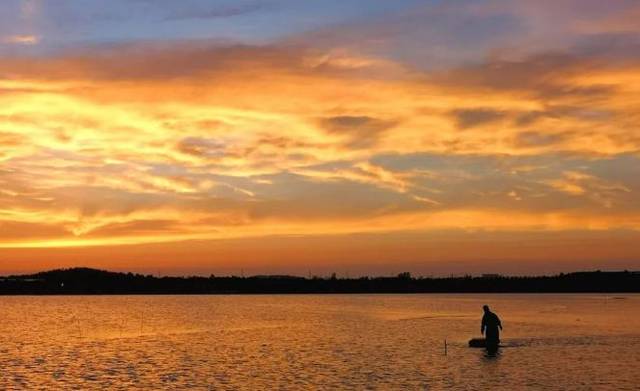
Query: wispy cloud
pixel 21 39
pixel 219 11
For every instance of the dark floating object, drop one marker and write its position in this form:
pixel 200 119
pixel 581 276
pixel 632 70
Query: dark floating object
pixel 477 343
pixel 481 343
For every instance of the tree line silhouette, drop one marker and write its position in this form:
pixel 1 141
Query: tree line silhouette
pixel 88 281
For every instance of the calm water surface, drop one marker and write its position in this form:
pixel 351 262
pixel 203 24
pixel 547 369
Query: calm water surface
pixel 389 342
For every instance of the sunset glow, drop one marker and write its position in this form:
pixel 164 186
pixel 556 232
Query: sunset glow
pixel 497 125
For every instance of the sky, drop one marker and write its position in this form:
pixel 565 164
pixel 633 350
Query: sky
pixel 362 137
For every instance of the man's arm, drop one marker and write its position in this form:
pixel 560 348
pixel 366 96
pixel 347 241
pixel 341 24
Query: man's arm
pixel 499 323
pixel 483 324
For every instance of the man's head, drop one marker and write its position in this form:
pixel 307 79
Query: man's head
pixel 485 308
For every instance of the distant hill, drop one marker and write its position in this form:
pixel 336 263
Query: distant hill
pixel 86 281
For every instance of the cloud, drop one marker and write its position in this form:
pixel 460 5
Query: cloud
pixel 442 35
pixel 22 39
pixel 215 12
pixel 599 190
pixel 362 172
pixel 162 143
pixel 361 131
pixel 537 139
pixel 470 118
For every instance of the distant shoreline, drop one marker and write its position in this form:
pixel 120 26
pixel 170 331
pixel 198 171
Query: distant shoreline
pixel 86 281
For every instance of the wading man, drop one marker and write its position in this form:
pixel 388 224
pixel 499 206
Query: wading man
pixel 490 325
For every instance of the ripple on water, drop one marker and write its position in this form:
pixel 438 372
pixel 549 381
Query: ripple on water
pixel 313 342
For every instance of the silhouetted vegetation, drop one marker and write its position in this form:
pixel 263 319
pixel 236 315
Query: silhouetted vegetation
pixel 92 281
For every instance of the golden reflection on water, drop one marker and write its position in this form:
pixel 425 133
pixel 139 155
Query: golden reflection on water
pixel 316 342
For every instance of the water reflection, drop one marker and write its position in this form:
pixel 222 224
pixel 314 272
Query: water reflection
pixel 312 342
pixel 491 353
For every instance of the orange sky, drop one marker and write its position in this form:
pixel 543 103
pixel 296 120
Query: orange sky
pixel 311 152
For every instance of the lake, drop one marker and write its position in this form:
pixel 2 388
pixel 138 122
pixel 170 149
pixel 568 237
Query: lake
pixel 294 342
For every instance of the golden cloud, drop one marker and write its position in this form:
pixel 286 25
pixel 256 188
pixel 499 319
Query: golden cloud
pixel 109 144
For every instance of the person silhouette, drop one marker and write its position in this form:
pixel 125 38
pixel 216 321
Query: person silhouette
pixel 489 327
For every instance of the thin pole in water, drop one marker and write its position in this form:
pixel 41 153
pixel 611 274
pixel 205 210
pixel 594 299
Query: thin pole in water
pixel 445 347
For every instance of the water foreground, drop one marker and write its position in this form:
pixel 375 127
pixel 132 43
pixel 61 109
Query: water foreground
pixel 553 341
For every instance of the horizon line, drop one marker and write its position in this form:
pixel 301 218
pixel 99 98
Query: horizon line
pixel 405 274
